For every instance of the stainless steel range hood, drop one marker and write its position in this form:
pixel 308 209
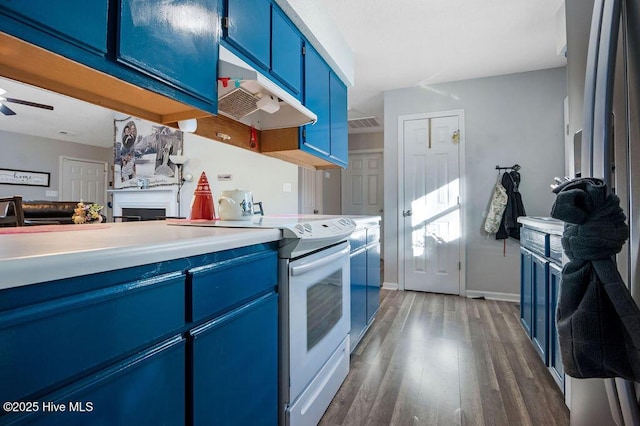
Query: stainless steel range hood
pixel 247 96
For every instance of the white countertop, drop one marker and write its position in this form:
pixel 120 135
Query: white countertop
pixel 543 224
pixel 37 257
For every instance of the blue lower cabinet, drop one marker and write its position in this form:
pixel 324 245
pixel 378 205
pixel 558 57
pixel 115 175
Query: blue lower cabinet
pixel 526 290
pixel 45 344
pixel 373 281
pixel 358 266
pixel 146 389
pixel 540 325
pixel 234 362
pixel 555 360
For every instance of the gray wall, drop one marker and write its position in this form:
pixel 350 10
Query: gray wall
pixel 361 141
pixel 38 154
pixel 509 119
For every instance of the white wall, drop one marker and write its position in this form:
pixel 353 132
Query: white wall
pixel 263 176
pixel 509 119
pixel 38 154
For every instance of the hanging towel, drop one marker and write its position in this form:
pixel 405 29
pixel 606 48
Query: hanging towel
pixel 598 321
pixel 509 226
pixel 496 209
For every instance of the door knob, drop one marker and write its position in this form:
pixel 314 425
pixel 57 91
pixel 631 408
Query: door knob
pixel 407 213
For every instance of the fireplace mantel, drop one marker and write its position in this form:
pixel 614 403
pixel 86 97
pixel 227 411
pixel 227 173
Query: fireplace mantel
pixel 161 197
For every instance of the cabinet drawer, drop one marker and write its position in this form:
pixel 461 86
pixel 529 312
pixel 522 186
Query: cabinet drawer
pixel 555 248
pixel 536 241
pixel 146 389
pixel 218 287
pixel 62 338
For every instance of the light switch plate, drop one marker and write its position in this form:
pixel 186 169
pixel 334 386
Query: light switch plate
pixel 286 187
pixel 51 193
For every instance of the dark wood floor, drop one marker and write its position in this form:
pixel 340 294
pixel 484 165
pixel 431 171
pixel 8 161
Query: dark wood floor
pixel 431 359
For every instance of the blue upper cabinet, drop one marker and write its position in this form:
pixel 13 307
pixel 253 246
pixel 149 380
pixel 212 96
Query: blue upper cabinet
pixel 286 51
pixel 325 95
pixel 175 41
pixel 317 137
pixel 77 23
pixel 248 28
pixel 339 130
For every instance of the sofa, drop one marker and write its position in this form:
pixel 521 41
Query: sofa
pixel 47 212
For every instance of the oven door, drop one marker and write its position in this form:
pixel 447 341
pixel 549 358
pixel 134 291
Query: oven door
pixel 319 312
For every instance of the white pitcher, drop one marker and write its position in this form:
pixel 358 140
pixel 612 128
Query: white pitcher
pixel 235 204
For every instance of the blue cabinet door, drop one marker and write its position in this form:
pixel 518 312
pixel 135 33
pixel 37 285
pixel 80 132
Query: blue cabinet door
pixel 145 389
pixel 248 28
pixel 555 360
pixel 173 41
pixel 358 265
pixel 373 281
pixel 539 330
pixel 526 290
pixel 339 129
pixel 58 26
pixel 317 137
pixel 235 366
pixel 286 52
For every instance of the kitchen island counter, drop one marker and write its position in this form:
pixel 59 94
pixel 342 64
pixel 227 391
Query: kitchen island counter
pixel 28 258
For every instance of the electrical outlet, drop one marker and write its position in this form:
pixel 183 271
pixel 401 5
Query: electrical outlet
pixel 225 177
pixel 286 187
pixel 51 193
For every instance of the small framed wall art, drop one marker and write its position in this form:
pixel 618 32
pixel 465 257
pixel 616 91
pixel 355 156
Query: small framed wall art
pixel 24 177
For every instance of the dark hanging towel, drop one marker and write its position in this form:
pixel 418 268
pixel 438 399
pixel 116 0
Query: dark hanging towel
pixel 509 226
pixel 598 320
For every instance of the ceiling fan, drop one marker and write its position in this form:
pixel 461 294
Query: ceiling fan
pixel 8 111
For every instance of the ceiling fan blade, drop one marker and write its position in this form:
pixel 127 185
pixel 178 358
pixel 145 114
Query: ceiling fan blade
pixel 32 104
pixel 6 110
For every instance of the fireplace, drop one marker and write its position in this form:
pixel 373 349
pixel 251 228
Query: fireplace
pixel 152 202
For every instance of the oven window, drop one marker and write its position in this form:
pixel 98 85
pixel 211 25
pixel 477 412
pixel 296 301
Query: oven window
pixel 324 307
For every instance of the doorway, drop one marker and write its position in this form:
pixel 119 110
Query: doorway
pixel 430 224
pixel 82 179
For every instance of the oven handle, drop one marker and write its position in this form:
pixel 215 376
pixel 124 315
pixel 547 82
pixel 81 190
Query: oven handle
pixel 297 270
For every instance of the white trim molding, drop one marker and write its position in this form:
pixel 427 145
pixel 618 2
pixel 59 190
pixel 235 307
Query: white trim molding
pixel 491 295
pixel 390 286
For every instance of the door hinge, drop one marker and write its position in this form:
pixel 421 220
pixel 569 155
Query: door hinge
pixel 225 23
pixel 304 49
pixel 304 135
pixel 459 266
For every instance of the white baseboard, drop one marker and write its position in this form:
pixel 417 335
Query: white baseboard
pixel 390 286
pixel 491 295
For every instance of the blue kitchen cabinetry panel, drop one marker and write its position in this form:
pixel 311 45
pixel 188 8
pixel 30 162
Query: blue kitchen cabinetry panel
pixel 339 130
pixel 365 280
pixel 248 28
pixel 53 341
pixel 58 26
pixel 316 138
pixel 286 51
pixel 325 95
pixel 373 280
pixel 555 360
pixel 358 266
pixel 146 389
pixel 175 42
pixel 526 289
pixel 223 285
pixel 540 326
pixel 235 366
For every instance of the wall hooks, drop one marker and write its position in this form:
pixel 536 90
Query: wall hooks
pixel 515 167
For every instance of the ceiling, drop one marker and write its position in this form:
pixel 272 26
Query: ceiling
pixel 407 43
pixel 396 44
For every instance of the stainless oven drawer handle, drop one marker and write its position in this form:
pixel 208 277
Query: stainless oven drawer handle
pixel 308 267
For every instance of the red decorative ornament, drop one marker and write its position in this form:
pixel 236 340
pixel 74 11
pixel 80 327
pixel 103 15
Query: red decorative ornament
pixel 202 206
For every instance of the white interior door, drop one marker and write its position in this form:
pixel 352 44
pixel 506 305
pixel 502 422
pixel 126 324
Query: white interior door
pixel 84 180
pixel 310 191
pixel 430 207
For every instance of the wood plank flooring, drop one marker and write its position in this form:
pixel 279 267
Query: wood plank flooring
pixel 432 359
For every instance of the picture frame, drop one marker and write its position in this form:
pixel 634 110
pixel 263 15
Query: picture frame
pixel 24 177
